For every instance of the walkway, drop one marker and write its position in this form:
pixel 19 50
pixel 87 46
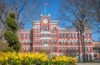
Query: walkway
pixel 88 63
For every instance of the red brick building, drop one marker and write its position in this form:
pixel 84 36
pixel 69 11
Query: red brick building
pixel 96 50
pixel 47 36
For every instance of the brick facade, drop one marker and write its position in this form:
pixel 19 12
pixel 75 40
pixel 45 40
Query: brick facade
pixel 96 51
pixel 47 36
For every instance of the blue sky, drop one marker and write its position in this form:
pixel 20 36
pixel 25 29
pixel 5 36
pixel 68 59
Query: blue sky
pixel 53 9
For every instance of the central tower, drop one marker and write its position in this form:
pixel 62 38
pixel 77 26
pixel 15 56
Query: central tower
pixel 45 23
pixel 45 35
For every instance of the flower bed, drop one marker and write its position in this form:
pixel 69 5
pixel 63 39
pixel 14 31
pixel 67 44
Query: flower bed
pixel 34 58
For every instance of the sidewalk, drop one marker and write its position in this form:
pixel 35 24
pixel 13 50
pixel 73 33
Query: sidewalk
pixel 88 63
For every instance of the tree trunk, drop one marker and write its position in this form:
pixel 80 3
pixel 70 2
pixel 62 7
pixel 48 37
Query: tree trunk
pixel 79 45
pixel 82 42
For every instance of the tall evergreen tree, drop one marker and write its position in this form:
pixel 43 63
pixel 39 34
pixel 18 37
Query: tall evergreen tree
pixel 11 32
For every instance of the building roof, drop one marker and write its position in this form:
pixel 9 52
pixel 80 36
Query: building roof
pixel 96 43
pixel 24 30
pixel 51 21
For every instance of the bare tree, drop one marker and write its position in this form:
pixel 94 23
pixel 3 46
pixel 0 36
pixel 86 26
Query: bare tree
pixel 24 9
pixel 3 12
pixel 78 12
pixel 3 15
pixel 95 5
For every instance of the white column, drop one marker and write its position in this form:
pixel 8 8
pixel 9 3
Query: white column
pixel 81 58
pixel 89 57
pixel 92 54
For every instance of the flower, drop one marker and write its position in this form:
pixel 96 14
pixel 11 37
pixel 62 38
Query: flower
pixel 17 58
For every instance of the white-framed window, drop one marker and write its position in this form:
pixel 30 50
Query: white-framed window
pixel 76 35
pixel 71 35
pixel 71 42
pixel 24 36
pixel 88 35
